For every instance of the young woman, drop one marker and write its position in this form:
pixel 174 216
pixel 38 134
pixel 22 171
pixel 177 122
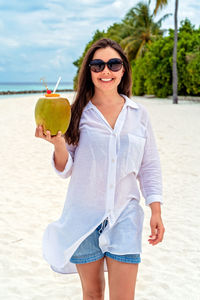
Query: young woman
pixel 108 147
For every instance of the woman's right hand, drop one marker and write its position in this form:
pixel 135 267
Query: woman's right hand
pixel 57 140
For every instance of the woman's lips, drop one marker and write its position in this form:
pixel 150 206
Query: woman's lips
pixel 106 79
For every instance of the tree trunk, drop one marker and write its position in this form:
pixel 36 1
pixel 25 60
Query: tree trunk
pixel 175 73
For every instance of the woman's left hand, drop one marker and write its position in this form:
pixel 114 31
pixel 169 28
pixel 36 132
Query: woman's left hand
pixel 157 229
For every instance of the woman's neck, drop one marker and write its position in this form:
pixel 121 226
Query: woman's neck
pixel 107 98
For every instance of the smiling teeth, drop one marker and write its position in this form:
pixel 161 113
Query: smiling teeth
pixel 106 79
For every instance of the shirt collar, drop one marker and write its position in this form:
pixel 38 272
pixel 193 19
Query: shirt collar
pixel 128 102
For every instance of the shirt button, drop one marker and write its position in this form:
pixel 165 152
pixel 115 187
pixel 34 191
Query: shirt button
pixel 113 160
pixel 111 186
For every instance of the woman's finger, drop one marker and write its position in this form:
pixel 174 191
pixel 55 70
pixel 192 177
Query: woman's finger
pixel 40 132
pixel 159 237
pixel 36 132
pixel 48 135
pixel 59 134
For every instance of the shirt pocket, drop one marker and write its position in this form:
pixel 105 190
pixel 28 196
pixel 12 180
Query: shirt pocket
pixel 135 153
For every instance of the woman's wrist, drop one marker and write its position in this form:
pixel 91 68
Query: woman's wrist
pixel 61 156
pixel 60 145
pixel 155 208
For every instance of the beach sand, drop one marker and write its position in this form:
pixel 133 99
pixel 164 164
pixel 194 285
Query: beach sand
pixel 32 196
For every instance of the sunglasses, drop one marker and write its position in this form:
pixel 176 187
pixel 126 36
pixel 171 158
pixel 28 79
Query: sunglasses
pixel 98 65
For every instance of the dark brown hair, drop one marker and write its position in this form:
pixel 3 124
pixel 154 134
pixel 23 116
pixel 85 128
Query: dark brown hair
pixel 85 90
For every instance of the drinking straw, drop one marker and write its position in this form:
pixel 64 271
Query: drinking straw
pixel 59 79
pixel 43 80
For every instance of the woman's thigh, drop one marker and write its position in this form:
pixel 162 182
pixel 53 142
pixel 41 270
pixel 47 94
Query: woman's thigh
pixel 92 278
pixel 122 279
pixel 89 261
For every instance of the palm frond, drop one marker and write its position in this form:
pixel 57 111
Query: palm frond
pixel 139 52
pixel 139 28
pixel 163 19
pixel 159 5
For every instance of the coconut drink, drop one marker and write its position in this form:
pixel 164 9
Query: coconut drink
pixel 53 112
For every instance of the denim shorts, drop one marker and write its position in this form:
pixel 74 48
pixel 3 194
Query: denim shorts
pixel 89 250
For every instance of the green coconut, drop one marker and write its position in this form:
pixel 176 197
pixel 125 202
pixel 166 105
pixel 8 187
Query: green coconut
pixel 53 113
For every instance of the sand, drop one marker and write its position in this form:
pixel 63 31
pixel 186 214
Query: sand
pixel 32 196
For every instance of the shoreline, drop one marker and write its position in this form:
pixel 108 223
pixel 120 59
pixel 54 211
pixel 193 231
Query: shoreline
pixel 181 97
pixel 32 92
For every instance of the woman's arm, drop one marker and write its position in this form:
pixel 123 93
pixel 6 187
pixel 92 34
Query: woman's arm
pixel 150 179
pixel 63 159
pixel 61 156
pixel 149 175
pixel 155 207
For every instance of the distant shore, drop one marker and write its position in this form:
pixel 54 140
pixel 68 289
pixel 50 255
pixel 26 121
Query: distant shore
pixel 31 92
pixel 186 98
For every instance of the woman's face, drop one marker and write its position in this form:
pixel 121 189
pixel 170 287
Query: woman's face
pixel 106 54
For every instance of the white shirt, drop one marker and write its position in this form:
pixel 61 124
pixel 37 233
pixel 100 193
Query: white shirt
pixel 104 170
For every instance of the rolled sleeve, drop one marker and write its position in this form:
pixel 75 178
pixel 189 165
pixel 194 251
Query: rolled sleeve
pixel 153 198
pixel 150 175
pixel 69 165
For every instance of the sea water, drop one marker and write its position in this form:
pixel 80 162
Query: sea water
pixel 32 86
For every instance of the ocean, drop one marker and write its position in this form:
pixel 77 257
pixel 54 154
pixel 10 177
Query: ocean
pixel 29 86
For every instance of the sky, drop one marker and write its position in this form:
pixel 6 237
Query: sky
pixel 42 38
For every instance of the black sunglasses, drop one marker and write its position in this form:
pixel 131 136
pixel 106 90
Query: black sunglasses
pixel 98 65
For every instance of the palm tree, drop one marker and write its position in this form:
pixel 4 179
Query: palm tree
pixel 175 73
pixel 139 29
pixel 160 4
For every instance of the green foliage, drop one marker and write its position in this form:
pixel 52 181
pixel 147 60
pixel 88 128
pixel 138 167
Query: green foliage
pixel 115 32
pixel 150 53
pixel 187 58
pixel 136 30
pixel 192 78
pixel 186 26
pixel 140 29
pixel 138 75
pixel 154 69
pixel 152 74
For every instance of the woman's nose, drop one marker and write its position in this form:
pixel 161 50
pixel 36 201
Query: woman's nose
pixel 106 70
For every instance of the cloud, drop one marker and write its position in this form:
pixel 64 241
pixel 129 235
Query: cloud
pixel 46 36
pixel 1 26
pixel 21 6
pixel 8 42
